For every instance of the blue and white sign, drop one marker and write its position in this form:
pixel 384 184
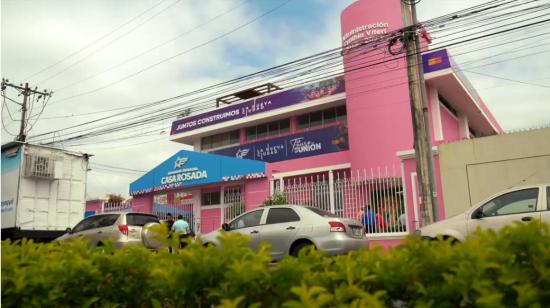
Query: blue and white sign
pixel 322 141
pixel 188 168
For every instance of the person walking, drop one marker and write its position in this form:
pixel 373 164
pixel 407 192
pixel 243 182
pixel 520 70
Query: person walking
pixel 181 228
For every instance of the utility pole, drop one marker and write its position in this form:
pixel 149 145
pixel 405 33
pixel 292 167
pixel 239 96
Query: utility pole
pixel 26 92
pixel 419 110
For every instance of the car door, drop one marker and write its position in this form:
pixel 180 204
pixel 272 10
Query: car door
pixel 249 224
pixel 85 229
pixel 105 229
pixel 280 229
pixel 519 205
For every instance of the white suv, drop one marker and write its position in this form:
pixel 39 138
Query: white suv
pixel 528 203
pixel 121 229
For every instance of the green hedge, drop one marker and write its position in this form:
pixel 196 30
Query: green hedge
pixel 489 270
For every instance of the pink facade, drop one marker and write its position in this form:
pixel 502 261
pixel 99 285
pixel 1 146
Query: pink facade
pixel 95 206
pixel 143 204
pixel 379 133
pixel 210 220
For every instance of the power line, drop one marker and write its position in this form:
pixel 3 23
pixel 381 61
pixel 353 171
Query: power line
pixel 509 79
pixel 351 94
pixel 95 41
pixel 492 34
pixel 117 167
pixel 154 47
pixel 141 122
pixel 461 13
pixel 108 44
pixel 175 56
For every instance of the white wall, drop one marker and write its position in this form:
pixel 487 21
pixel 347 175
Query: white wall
pixel 475 169
pixel 53 204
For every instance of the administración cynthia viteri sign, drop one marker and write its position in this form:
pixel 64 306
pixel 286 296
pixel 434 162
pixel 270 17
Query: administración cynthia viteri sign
pixel 365 31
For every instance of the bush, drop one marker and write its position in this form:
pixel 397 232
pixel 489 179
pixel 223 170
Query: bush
pixel 278 198
pixel 489 270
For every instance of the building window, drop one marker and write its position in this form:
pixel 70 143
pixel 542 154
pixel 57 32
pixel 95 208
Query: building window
pixel 210 198
pixel 323 117
pixel 161 199
pixel 270 129
pixel 220 140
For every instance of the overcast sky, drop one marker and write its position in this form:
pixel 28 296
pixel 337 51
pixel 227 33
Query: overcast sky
pixel 37 34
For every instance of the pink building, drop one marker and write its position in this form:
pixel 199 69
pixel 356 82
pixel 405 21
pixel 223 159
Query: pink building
pixel 338 144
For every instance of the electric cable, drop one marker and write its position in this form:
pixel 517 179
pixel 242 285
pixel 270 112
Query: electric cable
pixel 95 41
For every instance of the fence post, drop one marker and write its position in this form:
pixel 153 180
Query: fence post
pixel 222 201
pixel 331 191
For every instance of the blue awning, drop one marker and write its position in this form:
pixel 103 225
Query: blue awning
pixel 188 168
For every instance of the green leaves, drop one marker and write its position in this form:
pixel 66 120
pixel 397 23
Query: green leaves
pixel 508 269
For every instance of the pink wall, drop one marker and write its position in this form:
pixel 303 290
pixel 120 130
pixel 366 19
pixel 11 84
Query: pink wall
pixel 256 192
pixel 94 205
pixel 310 162
pixel 385 244
pixel 379 116
pixel 210 220
pixel 449 124
pixel 410 168
pixel 143 203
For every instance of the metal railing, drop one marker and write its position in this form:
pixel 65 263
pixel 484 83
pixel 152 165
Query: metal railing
pixel 373 197
pixel 233 204
pixel 109 207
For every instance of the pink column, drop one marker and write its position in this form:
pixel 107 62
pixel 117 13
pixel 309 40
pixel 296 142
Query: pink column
pixel 379 116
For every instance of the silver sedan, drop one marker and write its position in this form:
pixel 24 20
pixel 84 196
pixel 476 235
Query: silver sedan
pixel 291 228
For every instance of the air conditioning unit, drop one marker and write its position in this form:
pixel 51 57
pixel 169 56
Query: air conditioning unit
pixel 43 167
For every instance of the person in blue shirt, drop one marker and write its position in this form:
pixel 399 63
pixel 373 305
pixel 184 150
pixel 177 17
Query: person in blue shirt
pixel 181 228
pixel 368 219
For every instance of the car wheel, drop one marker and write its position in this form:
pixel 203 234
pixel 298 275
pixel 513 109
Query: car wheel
pixel 299 247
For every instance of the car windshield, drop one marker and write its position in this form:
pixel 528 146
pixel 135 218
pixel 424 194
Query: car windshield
pixel 320 212
pixel 140 219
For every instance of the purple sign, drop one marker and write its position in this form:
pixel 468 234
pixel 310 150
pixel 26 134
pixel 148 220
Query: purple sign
pixel 291 97
pixel 435 61
pixel 322 141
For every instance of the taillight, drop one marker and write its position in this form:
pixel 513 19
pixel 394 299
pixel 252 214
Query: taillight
pixel 123 229
pixel 336 226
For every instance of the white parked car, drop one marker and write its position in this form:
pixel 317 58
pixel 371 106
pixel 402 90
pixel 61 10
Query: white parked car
pixel 528 203
pixel 291 228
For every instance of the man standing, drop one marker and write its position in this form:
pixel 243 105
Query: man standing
pixel 181 228
pixel 169 223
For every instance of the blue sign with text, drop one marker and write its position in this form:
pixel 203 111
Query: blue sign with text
pixel 188 168
pixel 322 141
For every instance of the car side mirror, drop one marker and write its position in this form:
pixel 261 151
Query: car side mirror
pixel 226 227
pixel 478 214
pixel 68 230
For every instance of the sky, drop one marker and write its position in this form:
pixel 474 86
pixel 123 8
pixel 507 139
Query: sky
pixel 74 47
